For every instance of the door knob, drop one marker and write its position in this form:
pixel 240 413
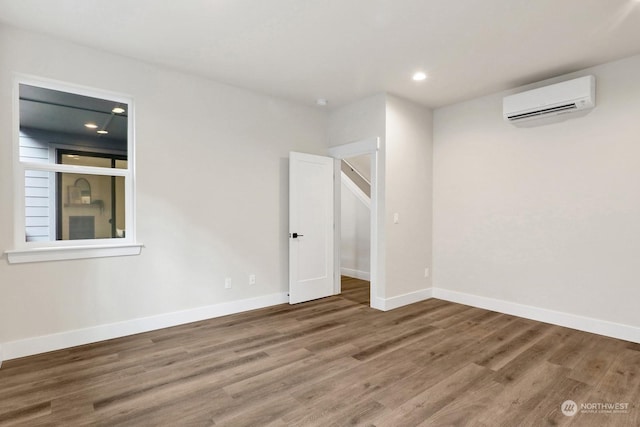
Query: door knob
pixel 296 235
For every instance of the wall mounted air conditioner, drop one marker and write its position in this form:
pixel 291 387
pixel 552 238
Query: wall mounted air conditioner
pixel 560 98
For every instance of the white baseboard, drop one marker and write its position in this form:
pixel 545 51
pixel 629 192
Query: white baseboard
pixel 358 274
pixel 30 346
pixel 386 304
pixel 587 324
pixel 377 303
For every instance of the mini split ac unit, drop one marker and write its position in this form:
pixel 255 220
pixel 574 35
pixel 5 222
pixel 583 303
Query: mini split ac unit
pixel 560 98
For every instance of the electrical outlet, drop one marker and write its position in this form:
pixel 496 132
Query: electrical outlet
pixel 252 279
pixel 227 283
pixel 426 272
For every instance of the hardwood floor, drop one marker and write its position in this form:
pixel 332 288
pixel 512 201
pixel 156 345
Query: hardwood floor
pixel 332 362
pixel 355 290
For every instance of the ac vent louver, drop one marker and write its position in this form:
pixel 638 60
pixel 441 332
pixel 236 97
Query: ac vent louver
pixel 567 107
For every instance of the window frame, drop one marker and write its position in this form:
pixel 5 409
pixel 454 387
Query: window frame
pixel 25 251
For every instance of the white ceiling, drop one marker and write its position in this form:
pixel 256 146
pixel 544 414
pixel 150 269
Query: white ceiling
pixel 344 50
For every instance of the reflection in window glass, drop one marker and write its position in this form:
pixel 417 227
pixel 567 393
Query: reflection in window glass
pixel 68 129
pixel 88 207
pixel 94 199
pixel 38 205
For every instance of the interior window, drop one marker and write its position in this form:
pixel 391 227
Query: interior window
pixel 74 150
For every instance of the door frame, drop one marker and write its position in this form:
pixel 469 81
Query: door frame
pixel 373 147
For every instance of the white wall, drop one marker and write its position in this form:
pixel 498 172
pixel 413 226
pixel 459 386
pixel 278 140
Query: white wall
pixel 212 196
pixel 358 121
pixel 409 194
pixel 545 216
pixel 355 241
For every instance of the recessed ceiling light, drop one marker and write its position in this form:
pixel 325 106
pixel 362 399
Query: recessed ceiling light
pixel 91 125
pixel 322 102
pixel 118 110
pixel 419 76
pixel 103 132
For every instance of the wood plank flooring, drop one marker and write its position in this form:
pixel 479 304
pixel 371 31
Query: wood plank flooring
pixel 332 362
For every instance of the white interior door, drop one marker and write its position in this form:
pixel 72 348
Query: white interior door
pixel 310 227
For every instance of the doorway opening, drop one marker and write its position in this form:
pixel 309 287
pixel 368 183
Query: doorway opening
pixel 355 227
pixel 365 151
